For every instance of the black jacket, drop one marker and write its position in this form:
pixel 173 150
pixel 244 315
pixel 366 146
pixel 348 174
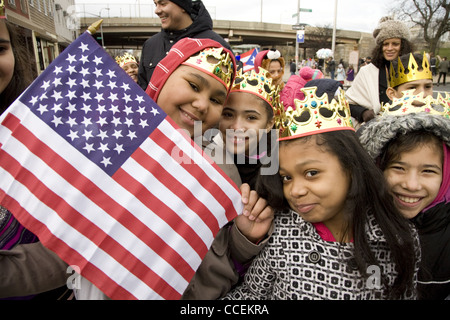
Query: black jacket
pixel 434 232
pixel 157 47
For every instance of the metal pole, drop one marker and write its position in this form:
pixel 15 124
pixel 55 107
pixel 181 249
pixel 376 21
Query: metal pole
pixel 101 33
pixel 333 45
pixel 261 11
pixel 296 42
pixel 101 26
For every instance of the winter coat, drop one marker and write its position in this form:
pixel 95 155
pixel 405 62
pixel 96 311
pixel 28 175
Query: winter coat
pixel 30 269
pixel 444 66
pixel 298 264
pixel 157 47
pixel 364 92
pixel 434 233
pixel 340 73
pixel 350 75
pixel 27 267
pixel 433 223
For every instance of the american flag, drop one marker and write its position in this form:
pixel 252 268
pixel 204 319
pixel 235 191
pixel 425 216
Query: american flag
pixel 86 163
pixel 248 59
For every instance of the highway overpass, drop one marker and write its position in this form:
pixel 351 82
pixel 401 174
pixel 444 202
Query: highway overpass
pixel 130 33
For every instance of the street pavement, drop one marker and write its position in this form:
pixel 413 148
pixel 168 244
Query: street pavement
pixel 441 88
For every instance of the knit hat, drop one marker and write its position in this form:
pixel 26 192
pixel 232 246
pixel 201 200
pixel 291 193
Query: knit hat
pixel 180 52
pixel 389 28
pixel 329 86
pixel 184 4
pixel 308 74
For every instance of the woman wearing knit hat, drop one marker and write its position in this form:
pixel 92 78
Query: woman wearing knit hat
pixel 368 91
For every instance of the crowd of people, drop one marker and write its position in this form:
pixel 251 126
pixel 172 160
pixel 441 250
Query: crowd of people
pixel 359 206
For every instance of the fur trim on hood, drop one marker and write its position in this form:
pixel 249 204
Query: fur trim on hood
pixel 375 134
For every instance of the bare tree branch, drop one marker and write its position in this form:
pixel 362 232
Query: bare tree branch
pixel 431 15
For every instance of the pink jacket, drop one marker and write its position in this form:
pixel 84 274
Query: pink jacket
pixel 292 88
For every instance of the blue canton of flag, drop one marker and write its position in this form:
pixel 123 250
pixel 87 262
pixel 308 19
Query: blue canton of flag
pixel 94 105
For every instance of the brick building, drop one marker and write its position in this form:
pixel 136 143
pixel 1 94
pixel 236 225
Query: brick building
pixel 44 27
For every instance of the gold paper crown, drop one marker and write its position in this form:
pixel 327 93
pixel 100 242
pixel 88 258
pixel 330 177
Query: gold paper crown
pixel 125 59
pixel 404 105
pixel 216 62
pixel 259 84
pixel 313 115
pixel 413 73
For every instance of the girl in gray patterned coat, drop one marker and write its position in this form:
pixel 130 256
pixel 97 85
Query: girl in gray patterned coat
pixel 338 234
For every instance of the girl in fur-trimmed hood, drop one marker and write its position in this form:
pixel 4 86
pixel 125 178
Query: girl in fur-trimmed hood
pixel 413 151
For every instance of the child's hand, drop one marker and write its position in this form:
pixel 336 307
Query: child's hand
pixel 257 217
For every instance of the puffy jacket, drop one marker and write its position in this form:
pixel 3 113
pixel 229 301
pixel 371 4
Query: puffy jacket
pixel 157 47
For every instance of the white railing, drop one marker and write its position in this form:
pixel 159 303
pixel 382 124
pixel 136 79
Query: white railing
pixel 137 10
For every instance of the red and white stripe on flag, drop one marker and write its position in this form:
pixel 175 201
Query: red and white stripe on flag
pixel 248 59
pixel 138 232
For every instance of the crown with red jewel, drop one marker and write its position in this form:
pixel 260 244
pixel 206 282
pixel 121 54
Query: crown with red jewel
pixel 259 84
pixel 313 115
pixel 215 61
pixel 415 103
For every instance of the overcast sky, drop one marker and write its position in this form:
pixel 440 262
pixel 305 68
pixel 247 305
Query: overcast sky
pixel 356 15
